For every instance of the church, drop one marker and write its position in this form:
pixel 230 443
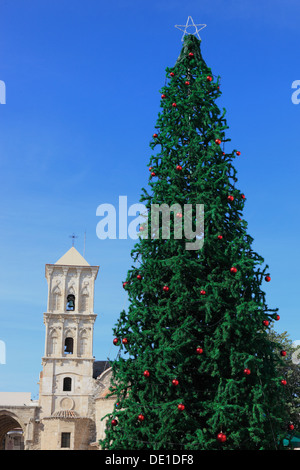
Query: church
pixel 73 387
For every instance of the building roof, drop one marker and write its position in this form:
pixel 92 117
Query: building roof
pixel 65 414
pixel 99 367
pixel 72 258
pixel 15 399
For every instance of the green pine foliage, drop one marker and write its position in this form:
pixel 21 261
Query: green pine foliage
pixel 194 324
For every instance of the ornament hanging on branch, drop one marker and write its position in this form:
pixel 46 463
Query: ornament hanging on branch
pixel 221 437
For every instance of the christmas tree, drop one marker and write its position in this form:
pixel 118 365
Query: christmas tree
pixel 196 368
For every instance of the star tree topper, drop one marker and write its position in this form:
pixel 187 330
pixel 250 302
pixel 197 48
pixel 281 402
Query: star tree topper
pixel 184 28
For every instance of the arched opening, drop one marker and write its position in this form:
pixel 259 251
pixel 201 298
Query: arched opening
pixel 67 384
pixel 11 432
pixel 69 345
pixel 70 303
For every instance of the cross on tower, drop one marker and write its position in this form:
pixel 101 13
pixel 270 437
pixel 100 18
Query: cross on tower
pixel 73 238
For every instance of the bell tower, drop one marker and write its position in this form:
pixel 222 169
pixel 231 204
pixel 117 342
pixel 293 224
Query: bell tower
pixel 66 381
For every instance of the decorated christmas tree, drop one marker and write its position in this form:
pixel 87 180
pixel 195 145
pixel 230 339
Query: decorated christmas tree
pixel 195 367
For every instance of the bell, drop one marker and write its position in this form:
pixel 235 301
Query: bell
pixel 70 302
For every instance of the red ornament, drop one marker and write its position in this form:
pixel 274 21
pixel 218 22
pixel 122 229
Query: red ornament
pixel 181 407
pixel 218 141
pixel 230 197
pixel 277 317
pixel 155 136
pixel 233 270
pixel 150 168
pixel 199 350
pixel 178 167
pixel 166 288
pixel 115 341
pixel 153 173
pixel 114 422
pixel 209 78
pixel 265 323
pixel 283 382
pixel 146 373
pixel 141 417
pixel 267 278
pixel 238 153
pixel 291 427
pixel 175 382
pixel 202 292
pixel 221 437
pixel 191 54
pixel 125 284
pixel 124 340
pixel 174 105
pixel 243 196
pixel 163 96
pixel 187 82
pixel 139 277
pixel 247 371
pixel 172 74
pixel 220 237
pixel 283 353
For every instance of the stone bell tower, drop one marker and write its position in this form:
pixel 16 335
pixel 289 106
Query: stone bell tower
pixel 66 381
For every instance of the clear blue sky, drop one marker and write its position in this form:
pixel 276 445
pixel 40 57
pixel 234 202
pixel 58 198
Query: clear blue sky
pixel 82 98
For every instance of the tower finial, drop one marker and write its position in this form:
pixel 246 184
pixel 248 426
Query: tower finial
pixel 192 25
pixel 73 238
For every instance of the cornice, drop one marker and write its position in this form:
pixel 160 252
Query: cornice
pixel 70 316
